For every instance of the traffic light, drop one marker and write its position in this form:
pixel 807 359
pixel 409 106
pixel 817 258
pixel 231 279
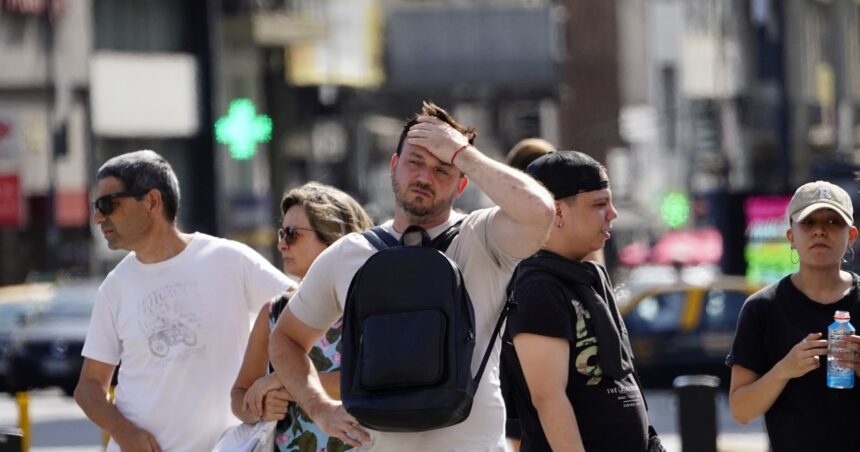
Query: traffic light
pixel 675 209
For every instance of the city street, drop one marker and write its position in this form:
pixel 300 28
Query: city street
pixel 57 422
pixel 166 166
pixel 60 426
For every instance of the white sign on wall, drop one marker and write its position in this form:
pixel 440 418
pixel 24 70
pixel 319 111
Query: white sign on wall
pixel 350 54
pixel 144 95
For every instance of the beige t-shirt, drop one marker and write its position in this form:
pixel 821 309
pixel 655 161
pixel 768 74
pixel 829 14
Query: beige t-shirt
pixel 486 271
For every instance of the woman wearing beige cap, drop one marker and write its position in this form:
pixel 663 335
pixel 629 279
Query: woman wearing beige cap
pixel 780 345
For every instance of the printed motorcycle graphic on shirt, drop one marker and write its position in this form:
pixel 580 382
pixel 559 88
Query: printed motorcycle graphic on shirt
pixel 163 320
pixel 173 333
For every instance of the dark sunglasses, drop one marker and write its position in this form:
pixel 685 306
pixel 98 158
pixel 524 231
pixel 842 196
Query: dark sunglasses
pixel 289 233
pixel 104 204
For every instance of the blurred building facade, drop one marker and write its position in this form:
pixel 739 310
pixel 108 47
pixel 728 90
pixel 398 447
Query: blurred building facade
pixel 44 137
pixel 81 82
pixel 340 87
pixel 734 99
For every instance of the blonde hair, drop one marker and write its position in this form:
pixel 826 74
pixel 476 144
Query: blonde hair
pixel 331 212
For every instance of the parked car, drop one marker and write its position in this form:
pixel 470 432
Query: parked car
pixel 18 305
pixel 47 351
pixel 683 329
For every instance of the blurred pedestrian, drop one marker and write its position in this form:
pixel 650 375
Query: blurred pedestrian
pixel 314 216
pixel 575 388
pixel 174 311
pixel 434 160
pixel 526 151
pixel 776 356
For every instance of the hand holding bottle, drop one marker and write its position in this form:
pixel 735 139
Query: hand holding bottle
pixel 851 344
pixel 803 357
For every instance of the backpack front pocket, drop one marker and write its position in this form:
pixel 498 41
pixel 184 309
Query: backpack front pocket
pixel 404 349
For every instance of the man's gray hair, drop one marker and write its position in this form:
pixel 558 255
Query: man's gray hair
pixel 145 170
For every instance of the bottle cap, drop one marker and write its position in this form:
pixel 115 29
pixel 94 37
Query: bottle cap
pixel 842 315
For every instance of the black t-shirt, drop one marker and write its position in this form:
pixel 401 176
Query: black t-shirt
pixel 610 414
pixel 807 415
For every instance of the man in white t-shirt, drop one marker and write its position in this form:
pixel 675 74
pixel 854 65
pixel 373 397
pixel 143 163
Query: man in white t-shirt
pixel 175 312
pixel 433 163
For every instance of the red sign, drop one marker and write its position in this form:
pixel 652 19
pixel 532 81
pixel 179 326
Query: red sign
pixel 10 200
pixel 34 7
pixel 71 208
pixel 701 246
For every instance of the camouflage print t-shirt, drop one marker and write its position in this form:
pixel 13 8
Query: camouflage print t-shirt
pixel 610 413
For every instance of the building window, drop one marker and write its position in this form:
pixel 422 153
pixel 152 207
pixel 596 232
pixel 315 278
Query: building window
pixel 853 53
pixel 818 45
pixel 668 82
pixel 150 26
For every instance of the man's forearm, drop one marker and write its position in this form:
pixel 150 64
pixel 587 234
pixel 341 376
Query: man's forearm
pixel 517 194
pixel 94 402
pixel 296 372
pixel 331 383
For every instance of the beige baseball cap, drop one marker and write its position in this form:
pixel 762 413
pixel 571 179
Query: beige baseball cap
pixel 820 195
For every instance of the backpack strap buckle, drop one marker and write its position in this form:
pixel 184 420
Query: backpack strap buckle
pixel 415 236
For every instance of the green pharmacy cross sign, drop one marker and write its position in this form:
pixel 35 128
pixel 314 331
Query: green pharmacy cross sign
pixel 242 128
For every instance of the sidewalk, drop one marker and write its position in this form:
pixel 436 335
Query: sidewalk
pixel 60 426
pixel 726 442
pixel 731 437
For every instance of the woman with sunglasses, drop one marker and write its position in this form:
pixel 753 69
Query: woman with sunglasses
pixel 779 355
pixel 314 216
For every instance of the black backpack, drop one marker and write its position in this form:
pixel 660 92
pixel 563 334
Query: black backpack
pixel 408 337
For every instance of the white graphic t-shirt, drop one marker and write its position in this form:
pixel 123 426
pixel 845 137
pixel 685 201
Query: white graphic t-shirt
pixel 179 328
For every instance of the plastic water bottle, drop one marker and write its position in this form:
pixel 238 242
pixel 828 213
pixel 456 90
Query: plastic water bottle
pixel 837 376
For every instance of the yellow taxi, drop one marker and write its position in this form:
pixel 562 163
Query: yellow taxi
pixel 684 329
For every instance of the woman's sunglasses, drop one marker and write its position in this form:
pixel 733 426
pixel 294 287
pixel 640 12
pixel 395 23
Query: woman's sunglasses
pixel 288 234
pixel 104 204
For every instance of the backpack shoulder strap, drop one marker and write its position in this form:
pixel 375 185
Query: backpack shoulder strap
pixel 443 240
pixel 278 305
pixel 509 306
pixel 380 238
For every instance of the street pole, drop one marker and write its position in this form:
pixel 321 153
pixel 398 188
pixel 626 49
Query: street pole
pixel 52 237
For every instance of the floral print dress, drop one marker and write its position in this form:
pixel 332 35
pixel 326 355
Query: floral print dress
pixel 297 433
